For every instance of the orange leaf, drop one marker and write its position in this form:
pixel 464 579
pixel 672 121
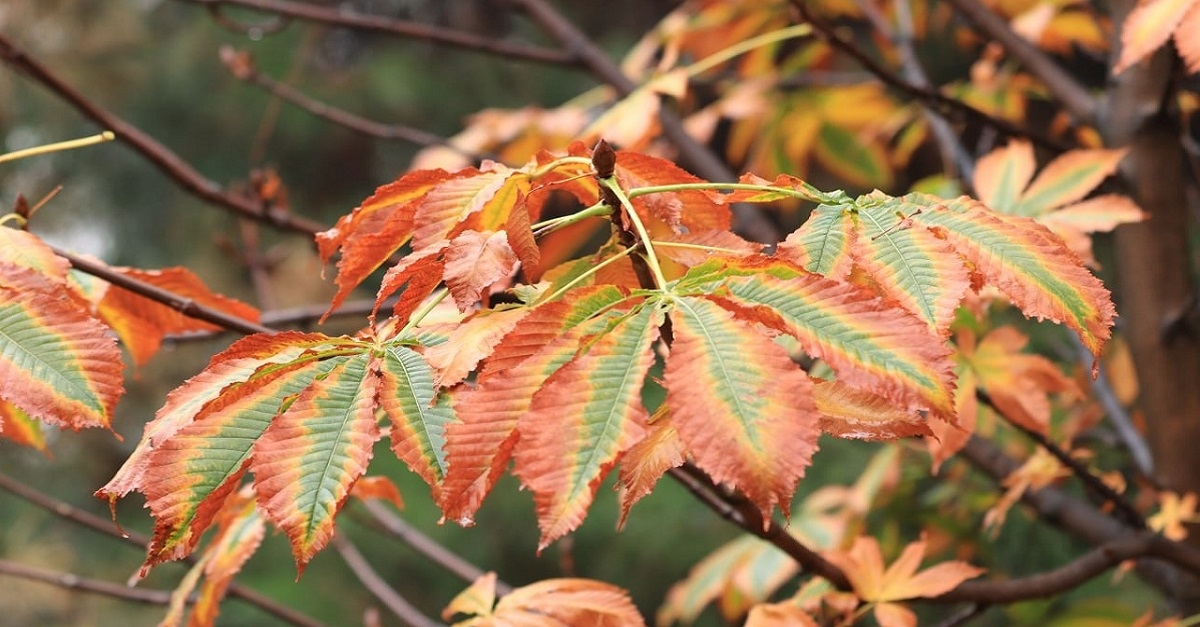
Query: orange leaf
pixel 1172 513
pixel 141 323
pixel 644 464
pixel 567 602
pixel 377 487
pixel 470 342
pixel 863 566
pixel 1019 384
pixel 474 262
pixel 477 600
pixel 854 413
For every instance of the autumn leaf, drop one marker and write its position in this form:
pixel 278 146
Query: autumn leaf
pixel 853 413
pixel 1040 470
pixel 58 363
pixel 740 574
pixel 1173 511
pixel 474 262
pixel 141 322
pixel 548 602
pixel 18 426
pixel 1018 383
pixel 1002 181
pixel 1149 26
pixel 644 464
pixel 863 566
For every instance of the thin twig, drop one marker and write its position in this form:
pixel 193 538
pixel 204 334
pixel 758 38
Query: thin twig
pixel 1074 97
pixel 184 305
pixel 947 106
pixel 105 526
pixel 428 547
pixel 243 68
pixel 71 581
pixel 162 157
pixel 402 28
pixel 1117 416
pixel 1090 481
pixel 362 569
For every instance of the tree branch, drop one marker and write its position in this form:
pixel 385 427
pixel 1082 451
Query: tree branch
pixel 428 547
pixel 71 581
pixel 242 66
pixel 184 305
pixel 362 569
pixel 171 164
pixel 949 107
pixel 86 519
pixel 402 28
pixel 1068 91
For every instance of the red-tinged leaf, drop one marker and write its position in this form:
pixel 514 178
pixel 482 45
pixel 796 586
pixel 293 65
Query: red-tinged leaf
pixel 471 342
pixel 1147 28
pixel 240 532
pixel 479 445
pixel 494 214
pixel 869 343
pixel 377 228
pixel 645 462
pixel 695 210
pixel 566 602
pixel 694 248
pixel 786 187
pixel 309 458
pixel 520 236
pixel 1025 261
pixel 419 417
pixel 582 419
pixel 1002 174
pixel 57 363
pixel 853 413
pixel 948 439
pixel 474 262
pixel 477 600
pixel 377 487
pixel 235 364
pixel 742 407
pixel 824 244
pixel 26 250
pixel 18 426
pixel 449 203
pixel 1067 179
pixel 418 273
pixel 141 323
pixel 189 475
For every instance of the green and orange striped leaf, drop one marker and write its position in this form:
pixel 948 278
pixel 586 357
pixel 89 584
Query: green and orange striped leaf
pixel 1021 258
pixel 307 461
pixel 235 364
pixel 742 408
pixel 480 443
pixel 18 426
pixel 190 475
pixel 583 418
pixel 58 363
pixel 407 394
pixel 26 250
pixel 868 341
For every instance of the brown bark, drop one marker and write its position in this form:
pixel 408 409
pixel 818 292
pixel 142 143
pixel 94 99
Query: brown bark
pixel 1154 270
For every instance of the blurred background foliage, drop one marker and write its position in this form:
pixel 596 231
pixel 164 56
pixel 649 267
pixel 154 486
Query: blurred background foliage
pixel 155 63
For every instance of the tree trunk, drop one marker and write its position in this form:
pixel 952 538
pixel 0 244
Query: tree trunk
pixel 1156 292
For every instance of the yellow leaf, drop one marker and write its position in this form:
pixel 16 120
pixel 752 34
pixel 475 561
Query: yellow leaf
pixel 1148 27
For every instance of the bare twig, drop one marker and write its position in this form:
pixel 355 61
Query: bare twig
pixel 184 305
pixel 1068 91
pixel 429 547
pixel 243 68
pixel 71 581
pixel 402 28
pixel 362 569
pixel 1090 481
pixel 162 157
pixel 949 107
pixel 96 523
